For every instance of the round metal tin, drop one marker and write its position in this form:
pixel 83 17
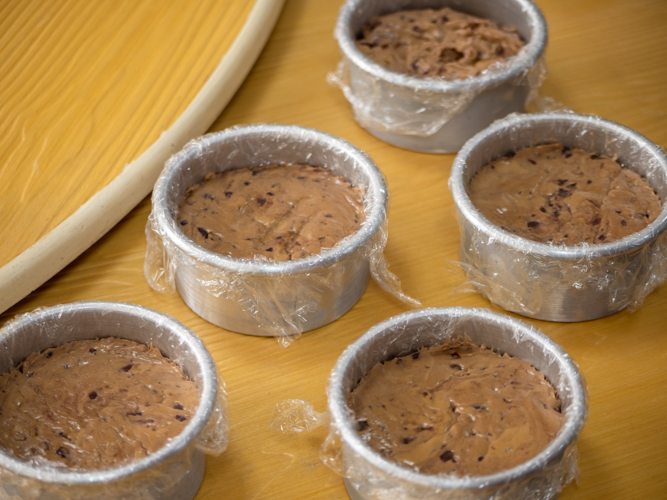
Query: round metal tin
pixel 474 103
pixel 252 296
pixel 543 281
pixel 374 477
pixel 174 472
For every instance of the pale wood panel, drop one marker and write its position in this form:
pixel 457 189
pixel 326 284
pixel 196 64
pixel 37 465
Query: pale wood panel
pixel 85 88
pixel 605 57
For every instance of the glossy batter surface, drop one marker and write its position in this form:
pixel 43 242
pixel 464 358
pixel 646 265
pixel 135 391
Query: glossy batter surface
pixel 281 212
pixel 431 43
pixel 553 194
pixel 93 404
pixel 456 408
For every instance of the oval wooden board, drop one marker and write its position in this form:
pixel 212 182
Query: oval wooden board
pixel 95 96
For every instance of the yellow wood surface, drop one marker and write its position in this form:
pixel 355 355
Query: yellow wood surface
pixel 85 88
pixel 606 57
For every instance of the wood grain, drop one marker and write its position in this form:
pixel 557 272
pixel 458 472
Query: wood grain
pixel 606 57
pixel 86 87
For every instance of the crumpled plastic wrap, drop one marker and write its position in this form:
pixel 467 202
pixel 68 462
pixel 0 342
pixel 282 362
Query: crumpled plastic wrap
pixel 385 102
pixel 380 105
pixel 369 476
pixel 559 282
pixel 162 475
pixel 296 416
pixel 258 296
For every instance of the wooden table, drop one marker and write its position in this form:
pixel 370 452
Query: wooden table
pixel 606 57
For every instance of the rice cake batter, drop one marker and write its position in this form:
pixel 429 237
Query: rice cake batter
pixel 281 212
pixel 456 408
pixel 93 404
pixel 437 43
pixel 553 194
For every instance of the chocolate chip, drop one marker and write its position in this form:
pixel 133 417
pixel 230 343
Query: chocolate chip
pixel 328 215
pixel 408 440
pixel 564 193
pixel 479 459
pixel 543 210
pixel 180 418
pixel 301 178
pixel 416 28
pixel 425 428
pixel 601 237
pixel 246 183
pixel 444 19
pixel 456 355
pixel 203 232
pixel 269 193
pixel 62 452
pixel 561 181
pixel 63 435
pixel 228 194
pixel 589 181
pixel 556 213
pixel 532 223
pixel 261 201
pixel 368 44
pixel 399 361
pixel 209 196
pixel 92 395
pixel 270 249
pixel 255 172
pixel 127 368
pixel 362 425
pixel 532 161
pixel 184 222
pixel 595 157
pixel 415 355
pixel 624 222
pixel 49 354
pixel 447 456
pixel 178 407
pixel 597 221
pixel 566 149
pixel 567 155
pixel 565 235
pixel 500 50
pixel 134 414
pixel 454 366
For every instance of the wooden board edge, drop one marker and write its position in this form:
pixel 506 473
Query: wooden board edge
pixel 35 265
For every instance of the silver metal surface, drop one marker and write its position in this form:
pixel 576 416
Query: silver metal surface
pixel 174 472
pixel 396 96
pixel 260 297
pixel 370 476
pixel 557 283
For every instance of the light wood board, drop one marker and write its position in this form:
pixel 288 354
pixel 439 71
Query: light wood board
pixel 96 97
pixel 606 57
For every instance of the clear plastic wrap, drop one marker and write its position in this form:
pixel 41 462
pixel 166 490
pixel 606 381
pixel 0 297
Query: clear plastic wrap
pixel 261 297
pixel 420 112
pixel 432 114
pixel 173 472
pixel 369 476
pixel 559 282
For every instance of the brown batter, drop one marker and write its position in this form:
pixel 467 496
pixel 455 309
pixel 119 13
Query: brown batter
pixel 93 404
pixel 443 42
pixel 564 196
pixel 282 212
pixel 456 408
